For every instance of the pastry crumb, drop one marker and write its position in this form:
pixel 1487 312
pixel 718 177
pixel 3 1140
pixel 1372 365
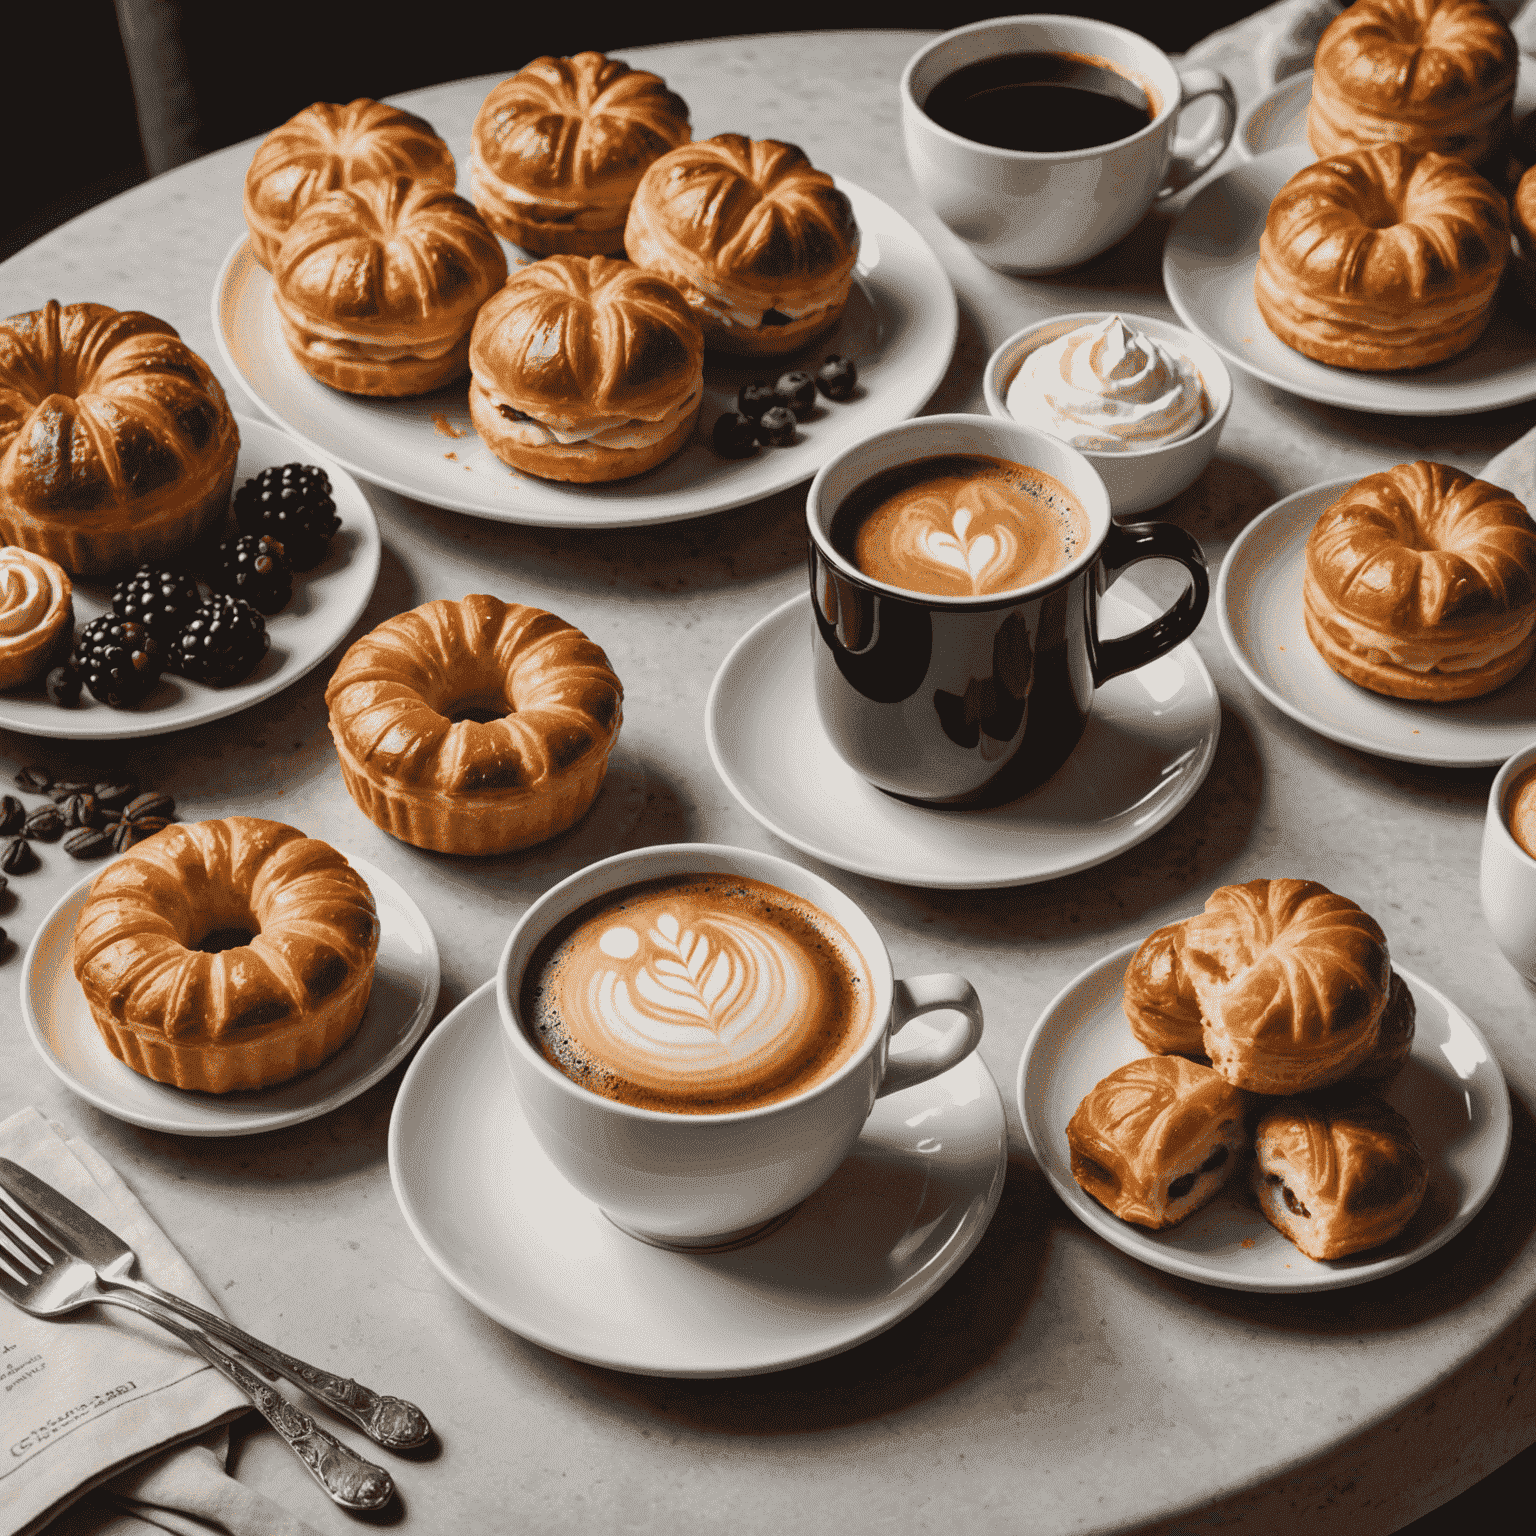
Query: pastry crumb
pixel 1247 1242
pixel 440 423
pixel 452 456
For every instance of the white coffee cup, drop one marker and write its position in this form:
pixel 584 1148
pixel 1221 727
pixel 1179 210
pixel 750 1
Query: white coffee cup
pixel 1024 211
pixel 708 1181
pixel 1507 881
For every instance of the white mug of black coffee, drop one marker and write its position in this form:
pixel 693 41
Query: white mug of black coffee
pixel 698 1034
pixel 1042 140
pixel 956 564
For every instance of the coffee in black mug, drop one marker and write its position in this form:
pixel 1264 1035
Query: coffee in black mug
pixel 956 564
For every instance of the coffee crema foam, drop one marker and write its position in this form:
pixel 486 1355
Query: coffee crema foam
pixel 960 526
pixel 698 994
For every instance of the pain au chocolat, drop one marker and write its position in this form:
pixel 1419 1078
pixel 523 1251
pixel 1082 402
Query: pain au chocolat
pixel 1382 259
pixel 1421 584
pixel 378 285
pixel 1431 75
pixel 760 243
pixel 327 146
pixel 559 149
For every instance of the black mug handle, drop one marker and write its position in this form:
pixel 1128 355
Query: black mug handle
pixel 1129 544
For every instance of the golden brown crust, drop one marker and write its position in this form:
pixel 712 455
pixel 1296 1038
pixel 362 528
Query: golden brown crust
pixel 327 146
pixel 1431 75
pixel 37 614
pixel 249 1016
pixel 117 445
pixel 1160 1002
pixel 1394 1042
pixel 1421 584
pixel 1382 259
pixel 1337 1174
pixel 462 785
pixel 559 149
pixel 761 244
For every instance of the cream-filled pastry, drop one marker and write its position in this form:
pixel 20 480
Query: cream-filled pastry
pixel 37 612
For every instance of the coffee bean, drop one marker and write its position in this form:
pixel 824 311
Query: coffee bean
pixel 12 814
pixel 81 811
pixel 126 833
pixel 35 779
pixel 17 857
pixel 114 794
pixel 62 789
pixel 88 843
pixel 4 884
pixel 150 804
pixel 46 824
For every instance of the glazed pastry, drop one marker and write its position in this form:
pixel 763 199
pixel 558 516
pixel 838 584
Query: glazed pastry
pixel 1521 271
pixel 1421 584
pixel 474 727
pixel 1156 1139
pixel 1382 259
pixel 1337 1174
pixel 585 369
pixel 378 285
pixel 559 149
pixel 1292 981
pixel 1432 75
pixel 327 146
pixel 1394 1043
pixel 227 955
pixel 37 614
pixel 1160 1002
pixel 759 242
pixel 117 446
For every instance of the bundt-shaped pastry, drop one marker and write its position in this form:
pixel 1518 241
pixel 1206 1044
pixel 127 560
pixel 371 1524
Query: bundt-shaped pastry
pixel 37 614
pixel 378 284
pixel 1160 1002
pixel 116 443
pixel 474 727
pixel 226 955
pixel 559 149
pixel 1292 981
pixel 1156 1139
pixel 1394 1042
pixel 1338 1174
pixel 1382 259
pixel 585 369
pixel 1521 272
pixel 328 146
pixel 756 239
pixel 1421 584
pixel 1436 76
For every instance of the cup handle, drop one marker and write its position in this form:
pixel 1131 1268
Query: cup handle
pixel 928 994
pixel 1129 544
pixel 1184 169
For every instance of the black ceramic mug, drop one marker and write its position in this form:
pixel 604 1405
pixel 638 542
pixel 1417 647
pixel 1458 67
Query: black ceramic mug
pixel 972 701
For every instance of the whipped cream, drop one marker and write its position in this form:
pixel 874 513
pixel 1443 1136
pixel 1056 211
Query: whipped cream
pixel 1109 388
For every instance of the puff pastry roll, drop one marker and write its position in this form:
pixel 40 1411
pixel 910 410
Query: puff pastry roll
pixel 1394 1042
pixel 1160 1002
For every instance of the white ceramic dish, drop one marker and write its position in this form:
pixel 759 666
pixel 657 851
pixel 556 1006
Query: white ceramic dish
pixel 1141 478
pixel 1149 743
pixel 512 1237
pixel 899 328
pixel 326 604
pixel 1208 267
pixel 1451 1091
pixel 400 1008
pixel 1258 605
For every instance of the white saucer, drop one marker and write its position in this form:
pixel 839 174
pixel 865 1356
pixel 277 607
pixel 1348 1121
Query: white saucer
pixel 399 1010
pixel 1258 605
pixel 1208 266
pixel 1150 741
pixel 513 1238
pixel 899 328
pixel 326 603
pixel 1451 1091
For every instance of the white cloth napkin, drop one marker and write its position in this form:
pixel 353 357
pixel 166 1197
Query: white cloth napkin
pixel 86 1398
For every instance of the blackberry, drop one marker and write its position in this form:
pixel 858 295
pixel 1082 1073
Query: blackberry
pixel 118 660
pixel 255 566
pixel 222 643
pixel 292 503
pixel 162 601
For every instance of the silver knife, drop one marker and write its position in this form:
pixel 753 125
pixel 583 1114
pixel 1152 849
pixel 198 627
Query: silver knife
pixel 388 1421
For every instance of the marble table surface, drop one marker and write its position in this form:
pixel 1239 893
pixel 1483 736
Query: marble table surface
pixel 1054 1384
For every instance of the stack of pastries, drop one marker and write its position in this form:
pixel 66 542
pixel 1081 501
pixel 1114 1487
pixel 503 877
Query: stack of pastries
pixel 1274 1019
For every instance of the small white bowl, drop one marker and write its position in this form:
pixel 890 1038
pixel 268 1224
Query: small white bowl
pixel 1140 478
pixel 1507 879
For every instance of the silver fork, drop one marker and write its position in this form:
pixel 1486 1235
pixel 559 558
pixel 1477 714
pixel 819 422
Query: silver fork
pixel 39 1277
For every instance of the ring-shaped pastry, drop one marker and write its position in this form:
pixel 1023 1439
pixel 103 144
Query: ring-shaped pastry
pixel 37 612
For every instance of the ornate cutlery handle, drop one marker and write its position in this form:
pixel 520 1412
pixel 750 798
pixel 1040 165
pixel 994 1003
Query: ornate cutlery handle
pixel 388 1421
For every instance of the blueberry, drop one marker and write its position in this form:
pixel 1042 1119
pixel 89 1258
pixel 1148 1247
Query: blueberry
pixel 797 390
pixel 64 686
pixel 837 378
pixel 755 398
pixel 735 435
pixel 777 427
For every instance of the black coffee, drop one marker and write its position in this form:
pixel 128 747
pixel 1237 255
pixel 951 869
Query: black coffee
pixel 1044 102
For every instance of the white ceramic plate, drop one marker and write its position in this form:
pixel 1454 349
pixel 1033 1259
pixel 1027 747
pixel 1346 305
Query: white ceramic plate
pixel 1258 605
pixel 514 1239
pixel 1208 266
pixel 325 604
pixel 1451 1091
pixel 899 328
pixel 59 1021
pixel 1150 741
